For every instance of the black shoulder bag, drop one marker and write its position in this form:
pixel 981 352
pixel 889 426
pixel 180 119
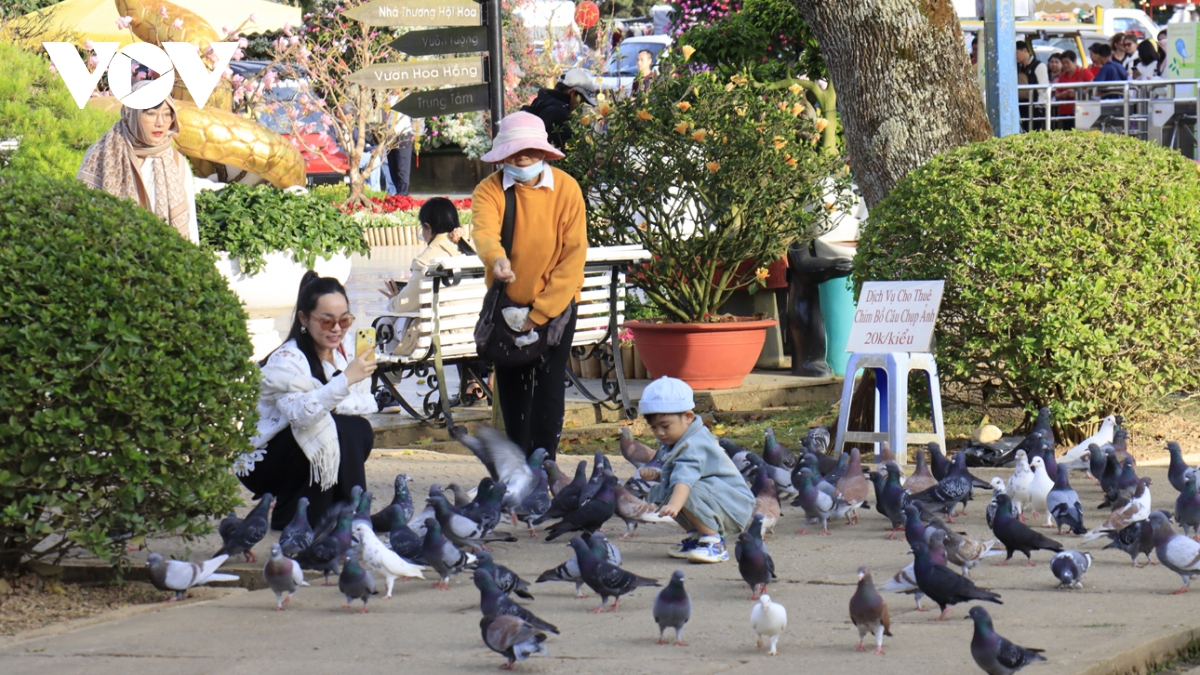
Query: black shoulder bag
pixel 495 341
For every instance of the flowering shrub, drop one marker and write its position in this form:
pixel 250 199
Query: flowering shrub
pixel 466 130
pixel 706 173
pixel 393 203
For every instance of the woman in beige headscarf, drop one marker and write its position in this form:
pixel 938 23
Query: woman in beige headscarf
pixel 136 160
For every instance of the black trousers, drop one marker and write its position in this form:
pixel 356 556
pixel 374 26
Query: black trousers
pixel 399 161
pixel 533 398
pixel 285 472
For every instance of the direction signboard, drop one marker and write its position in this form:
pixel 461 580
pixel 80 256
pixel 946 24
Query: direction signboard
pixel 444 101
pixel 442 41
pixel 418 13
pixel 435 73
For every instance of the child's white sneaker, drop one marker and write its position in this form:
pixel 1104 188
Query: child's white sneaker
pixel 709 549
pixel 683 549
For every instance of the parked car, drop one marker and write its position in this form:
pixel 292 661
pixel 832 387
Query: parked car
pixel 621 68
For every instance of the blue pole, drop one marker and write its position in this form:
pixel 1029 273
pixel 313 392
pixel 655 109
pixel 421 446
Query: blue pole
pixel 1000 63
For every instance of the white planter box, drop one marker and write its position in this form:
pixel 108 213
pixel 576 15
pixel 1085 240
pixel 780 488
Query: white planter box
pixel 275 287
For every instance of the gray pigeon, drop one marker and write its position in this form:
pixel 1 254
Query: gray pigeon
pixel 608 580
pixel 992 652
pixel 354 582
pixel 506 580
pixel 401 501
pixel 298 534
pixel 493 602
pixel 283 576
pixel 1136 538
pixel 1070 566
pixel 512 637
pixel 1176 552
pixel 569 571
pixel 179 576
pixel 672 609
pixel 1063 503
pixel 505 462
pixel 442 556
pixel 241 537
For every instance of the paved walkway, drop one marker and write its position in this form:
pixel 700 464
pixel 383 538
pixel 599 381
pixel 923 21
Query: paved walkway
pixel 427 631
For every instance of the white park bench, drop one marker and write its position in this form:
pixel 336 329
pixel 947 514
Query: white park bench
pixel 451 298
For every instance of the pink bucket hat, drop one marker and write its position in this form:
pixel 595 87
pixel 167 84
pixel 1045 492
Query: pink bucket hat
pixel 520 131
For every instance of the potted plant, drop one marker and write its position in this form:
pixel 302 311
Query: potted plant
pixel 265 239
pixel 706 173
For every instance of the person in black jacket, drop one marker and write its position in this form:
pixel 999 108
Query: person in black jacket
pixel 554 106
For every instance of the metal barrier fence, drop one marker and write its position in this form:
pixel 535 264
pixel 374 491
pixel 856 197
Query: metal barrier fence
pixel 1158 111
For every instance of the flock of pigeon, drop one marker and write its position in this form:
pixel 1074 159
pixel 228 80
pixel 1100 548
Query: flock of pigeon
pixel 450 535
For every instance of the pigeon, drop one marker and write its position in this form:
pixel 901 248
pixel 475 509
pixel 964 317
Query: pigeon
pixel 998 488
pixel 921 479
pixel 505 462
pixel 283 576
pixel 568 498
pixel 1137 509
pixel 843 463
pixel 606 579
pixel 363 512
pixel 632 511
pixel 1120 445
pixel 401 500
pixel 992 652
pixel 1070 566
pixel 817 440
pixel 817 505
pixel 536 503
pixel 1018 484
pixel 938 462
pixel 328 521
pixel 774 453
pixel 869 612
pixel 1097 461
pixel 1039 489
pixel 461 530
pixel 1187 508
pixel 297 534
pixel 637 453
pixel 461 498
pixel 325 552
pixel 905 581
pixel 442 556
pixel 766 501
pixel 380 558
pixel 965 552
pixel 672 609
pixel 494 602
pixel 768 619
pixel 952 489
pixel 754 562
pixel 590 515
pixel 417 522
pixel 1017 536
pixel 1064 504
pixel 506 580
pixel 1117 494
pixel 179 576
pixel 512 638
pixel 892 499
pixel 486 510
pixel 943 585
pixel 1078 457
pixel 555 478
pixel 853 487
pixel 1111 473
pixel 782 477
pixel 1136 538
pixel 569 571
pixel 405 542
pixel 599 462
pixel 1176 552
pixel 915 529
pixel 1178 470
pixel 354 582
pixel 240 537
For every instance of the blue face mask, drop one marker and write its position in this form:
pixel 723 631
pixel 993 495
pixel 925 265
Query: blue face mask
pixel 524 173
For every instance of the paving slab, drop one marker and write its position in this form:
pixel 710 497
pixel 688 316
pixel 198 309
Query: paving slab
pixel 1119 610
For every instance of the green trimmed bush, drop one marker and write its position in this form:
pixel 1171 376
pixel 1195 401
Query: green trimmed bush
pixel 250 222
pixel 127 386
pixel 38 111
pixel 1072 268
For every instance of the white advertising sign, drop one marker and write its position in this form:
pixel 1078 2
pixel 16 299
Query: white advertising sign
pixel 895 316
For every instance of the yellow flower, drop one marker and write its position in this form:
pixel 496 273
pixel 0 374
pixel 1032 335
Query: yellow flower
pixel 780 141
pixel 604 109
pixel 822 123
pixel 713 166
pixel 644 115
pixel 740 111
pixel 795 89
pixel 738 79
pixel 797 108
pixel 783 106
pixel 829 207
pixel 683 106
pixel 729 87
pixel 681 128
pixel 586 119
pixel 699 135
pixel 687 50
pixel 762 273
pixel 789 160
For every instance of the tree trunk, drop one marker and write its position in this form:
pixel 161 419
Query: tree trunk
pixel 905 84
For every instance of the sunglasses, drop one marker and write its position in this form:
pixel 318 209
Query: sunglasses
pixel 327 322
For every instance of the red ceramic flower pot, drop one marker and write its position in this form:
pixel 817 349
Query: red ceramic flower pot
pixel 705 355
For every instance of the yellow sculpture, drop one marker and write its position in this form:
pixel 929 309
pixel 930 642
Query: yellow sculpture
pixel 211 136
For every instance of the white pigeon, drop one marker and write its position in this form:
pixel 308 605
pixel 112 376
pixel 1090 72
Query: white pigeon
pixel 998 489
pixel 1018 484
pixel 179 576
pixel 768 619
pixel 1137 509
pixel 1039 489
pixel 381 559
pixel 1077 458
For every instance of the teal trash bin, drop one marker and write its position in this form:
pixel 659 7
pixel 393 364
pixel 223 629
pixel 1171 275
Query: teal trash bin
pixel 837 307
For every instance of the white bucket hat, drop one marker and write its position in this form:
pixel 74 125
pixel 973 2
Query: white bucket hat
pixel 666 395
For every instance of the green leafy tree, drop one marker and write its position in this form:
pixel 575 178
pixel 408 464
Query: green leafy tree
pixel 127 390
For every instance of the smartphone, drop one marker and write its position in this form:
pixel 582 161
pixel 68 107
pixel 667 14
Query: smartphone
pixel 364 341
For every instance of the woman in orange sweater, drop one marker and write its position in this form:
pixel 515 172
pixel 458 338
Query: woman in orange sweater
pixel 543 269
